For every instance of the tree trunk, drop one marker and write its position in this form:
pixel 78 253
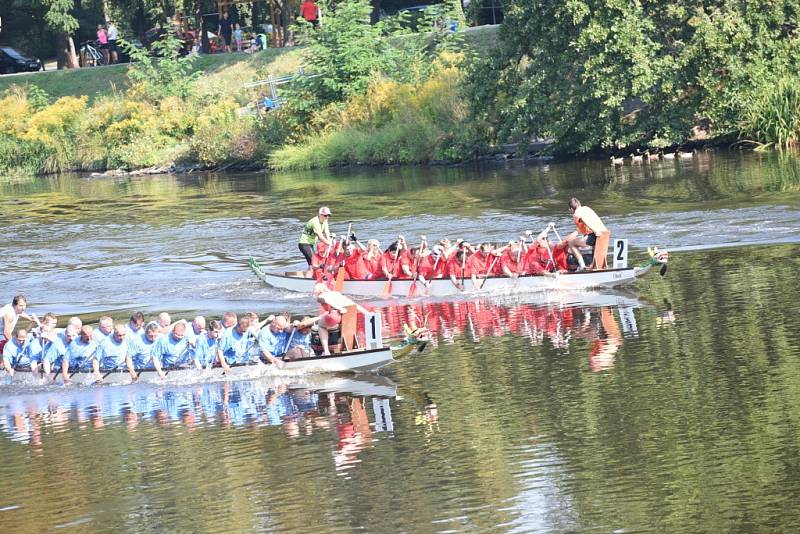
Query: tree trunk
pixel 375 16
pixel 65 51
pixel 286 20
pixel 256 17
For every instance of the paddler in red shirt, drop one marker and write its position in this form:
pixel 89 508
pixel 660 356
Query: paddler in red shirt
pixel 373 259
pixel 354 265
pixel 512 262
pixel 456 266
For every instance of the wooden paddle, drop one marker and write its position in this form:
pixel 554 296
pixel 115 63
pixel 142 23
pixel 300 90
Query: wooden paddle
pixel 489 270
pixel 387 288
pixel 412 290
pixel 339 285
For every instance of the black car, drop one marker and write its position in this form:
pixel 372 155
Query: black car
pixel 12 60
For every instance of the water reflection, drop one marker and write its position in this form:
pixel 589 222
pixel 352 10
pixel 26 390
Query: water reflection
pixel 299 406
pixel 601 318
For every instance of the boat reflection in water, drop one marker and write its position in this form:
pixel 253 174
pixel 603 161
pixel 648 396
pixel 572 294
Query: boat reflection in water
pixel 299 405
pixel 557 318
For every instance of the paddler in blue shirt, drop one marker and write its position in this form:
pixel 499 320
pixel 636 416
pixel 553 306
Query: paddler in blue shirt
pixel 105 326
pixel 235 345
pixel 81 351
pixel 15 352
pixel 140 355
pixel 112 353
pixel 170 350
pixel 136 324
pixel 56 356
pixel 207 346
pixel 272 340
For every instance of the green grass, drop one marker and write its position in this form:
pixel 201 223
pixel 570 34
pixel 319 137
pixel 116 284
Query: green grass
pixel 221 70
pixel 230 70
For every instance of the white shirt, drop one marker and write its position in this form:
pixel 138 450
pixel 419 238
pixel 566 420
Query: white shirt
pixel 6 310
pixel 112 32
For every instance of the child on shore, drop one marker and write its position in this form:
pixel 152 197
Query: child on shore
pixel 237 34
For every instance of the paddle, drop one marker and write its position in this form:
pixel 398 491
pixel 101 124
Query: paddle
pixel 489 270
pixel 387 288
pixel 463 267
pixel 331 281
pixel 339 285
pixel 412 290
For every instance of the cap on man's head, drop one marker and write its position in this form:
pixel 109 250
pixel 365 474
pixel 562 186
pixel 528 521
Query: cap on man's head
pixel 324 210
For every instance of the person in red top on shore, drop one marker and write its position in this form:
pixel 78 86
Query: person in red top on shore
pixel 310 12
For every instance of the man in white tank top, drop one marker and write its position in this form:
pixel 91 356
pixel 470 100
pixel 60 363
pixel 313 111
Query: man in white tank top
pixel 10 314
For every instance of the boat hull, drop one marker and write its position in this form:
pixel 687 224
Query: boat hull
pixel 444 287
pixel 358 361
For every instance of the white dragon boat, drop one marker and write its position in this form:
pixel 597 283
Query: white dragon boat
pixel 442 287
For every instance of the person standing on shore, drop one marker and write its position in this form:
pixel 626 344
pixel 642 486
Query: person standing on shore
pixel 112 35
pixel 226 30
pixel 315 229
pixel 102 39
pixel 310 12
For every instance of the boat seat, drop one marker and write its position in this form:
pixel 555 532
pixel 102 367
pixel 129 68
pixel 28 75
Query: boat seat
pixel 349 326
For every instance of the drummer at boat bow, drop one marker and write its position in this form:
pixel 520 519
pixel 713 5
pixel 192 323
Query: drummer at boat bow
pixel 316 229
pixel 595 232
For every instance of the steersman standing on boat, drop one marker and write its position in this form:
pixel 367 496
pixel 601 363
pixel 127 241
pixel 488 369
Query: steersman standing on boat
pixel 9 315
pixel 315 229
pixel 597 235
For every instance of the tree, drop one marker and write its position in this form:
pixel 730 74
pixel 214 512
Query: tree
pixel 613 73
pixel 61 21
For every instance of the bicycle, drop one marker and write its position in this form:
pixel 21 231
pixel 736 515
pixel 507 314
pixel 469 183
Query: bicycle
pixel 91 56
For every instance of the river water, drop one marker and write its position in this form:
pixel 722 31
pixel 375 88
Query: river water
pixel 671 406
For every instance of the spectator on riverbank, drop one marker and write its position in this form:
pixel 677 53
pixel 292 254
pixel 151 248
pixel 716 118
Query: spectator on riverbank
pixel 225 29
pixel 112 35
pixel 237 35
pixel 310 12
pixel 102 39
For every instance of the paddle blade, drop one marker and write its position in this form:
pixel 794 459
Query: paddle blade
pixel 412 291
pixel 339 286
pixel 387 290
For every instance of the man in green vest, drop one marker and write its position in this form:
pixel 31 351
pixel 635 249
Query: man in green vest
pixel 315 229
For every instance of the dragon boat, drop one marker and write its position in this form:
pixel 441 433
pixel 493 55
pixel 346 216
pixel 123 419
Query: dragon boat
pixel 620 275
pixel 366 356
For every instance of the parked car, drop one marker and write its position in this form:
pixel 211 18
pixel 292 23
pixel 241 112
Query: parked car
pixel 12 60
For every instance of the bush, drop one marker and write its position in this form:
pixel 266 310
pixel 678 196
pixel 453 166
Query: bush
pixel 221 135
pixel 773 115
pixel 392 123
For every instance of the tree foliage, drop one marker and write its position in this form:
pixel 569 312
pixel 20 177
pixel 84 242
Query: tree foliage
pixel 614 73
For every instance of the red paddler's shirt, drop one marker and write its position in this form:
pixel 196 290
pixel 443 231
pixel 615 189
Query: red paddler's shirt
pixel 453 267
pixel 356 267
pixel 509 260
pixel 477 264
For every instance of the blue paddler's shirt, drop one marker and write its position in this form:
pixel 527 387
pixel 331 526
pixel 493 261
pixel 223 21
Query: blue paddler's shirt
pixel 36 348
pixel 98 336
pixel 134 331
pixel 169 351
pixel 57 350
pixel 16 355
pixel 141 350
pixel 274 343
pixel 236 347
pixel 206 350
pixel 111 354
pixel 299 340
pixel 80 354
